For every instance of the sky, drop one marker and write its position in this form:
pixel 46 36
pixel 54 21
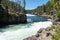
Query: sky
pixel 32 4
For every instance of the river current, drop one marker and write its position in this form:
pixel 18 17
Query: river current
pixel 21 31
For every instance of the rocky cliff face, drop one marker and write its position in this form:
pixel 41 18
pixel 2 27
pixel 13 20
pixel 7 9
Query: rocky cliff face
pixel 15 19
pixel 6 18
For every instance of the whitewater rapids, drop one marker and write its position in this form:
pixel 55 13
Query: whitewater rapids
pixel 21 31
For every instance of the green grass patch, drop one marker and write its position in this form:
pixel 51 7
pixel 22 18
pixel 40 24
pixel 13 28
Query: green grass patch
pixel 56 36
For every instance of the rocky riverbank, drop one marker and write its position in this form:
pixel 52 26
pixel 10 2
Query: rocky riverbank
pixel 45 33
pixel 42 34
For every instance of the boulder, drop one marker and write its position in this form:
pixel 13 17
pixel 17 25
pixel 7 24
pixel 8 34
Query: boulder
pixel 42 34
pixel 31 38
pixel 40 31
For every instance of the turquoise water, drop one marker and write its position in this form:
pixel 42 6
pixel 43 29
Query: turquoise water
pixel 21 31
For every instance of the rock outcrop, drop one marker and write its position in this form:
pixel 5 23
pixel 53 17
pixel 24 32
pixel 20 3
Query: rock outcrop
pixel 14 19
pixel 42 34
pixel 6 18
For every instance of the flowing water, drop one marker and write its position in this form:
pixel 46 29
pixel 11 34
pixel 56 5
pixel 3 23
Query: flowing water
pixel 21 31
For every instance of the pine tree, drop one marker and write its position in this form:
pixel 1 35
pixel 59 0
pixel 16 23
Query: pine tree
pixel 24 4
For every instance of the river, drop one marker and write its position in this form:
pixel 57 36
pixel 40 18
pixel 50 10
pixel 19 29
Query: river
pixel 21 31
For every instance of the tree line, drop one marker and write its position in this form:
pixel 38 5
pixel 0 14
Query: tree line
pixel 12 6
pixel 51 5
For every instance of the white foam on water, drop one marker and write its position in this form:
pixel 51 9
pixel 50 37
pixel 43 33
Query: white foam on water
pixel 20 34
pixel 30 15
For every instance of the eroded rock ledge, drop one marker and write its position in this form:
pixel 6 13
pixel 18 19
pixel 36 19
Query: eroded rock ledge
pixel 12 18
